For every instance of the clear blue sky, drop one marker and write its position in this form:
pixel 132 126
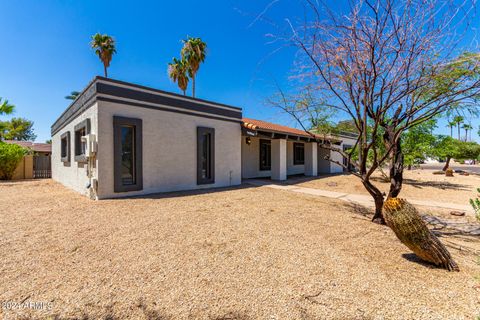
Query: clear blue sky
pixel 45 51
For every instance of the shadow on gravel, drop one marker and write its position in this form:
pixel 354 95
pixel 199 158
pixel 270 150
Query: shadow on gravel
pixel 412 257
pixel 434 184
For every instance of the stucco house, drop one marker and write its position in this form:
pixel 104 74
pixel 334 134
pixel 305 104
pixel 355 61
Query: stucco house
pixel 121 139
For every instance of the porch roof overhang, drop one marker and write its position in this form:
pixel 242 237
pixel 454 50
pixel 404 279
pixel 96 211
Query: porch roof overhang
pixel 253 127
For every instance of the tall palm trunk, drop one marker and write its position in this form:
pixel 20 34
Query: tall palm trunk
pixel 458 127
pixel 193 86
pixel 105 70
pixel 451 131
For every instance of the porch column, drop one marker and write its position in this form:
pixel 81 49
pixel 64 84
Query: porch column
pixel 311 162
pixel 279 159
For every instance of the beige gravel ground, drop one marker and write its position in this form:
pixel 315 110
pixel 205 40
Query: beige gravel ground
pixel 245 253
pixel 419 184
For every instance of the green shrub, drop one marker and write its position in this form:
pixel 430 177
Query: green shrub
pixel 10 157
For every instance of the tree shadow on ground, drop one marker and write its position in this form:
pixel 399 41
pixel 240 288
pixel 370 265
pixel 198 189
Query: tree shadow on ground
pixel 233 316
pixel 149 314
pixel 412 257
pixel 443 227
pixel 433 184
pixel 187 193
pixel 359 209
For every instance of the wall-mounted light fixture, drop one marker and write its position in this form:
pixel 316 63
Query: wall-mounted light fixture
pixel 248 141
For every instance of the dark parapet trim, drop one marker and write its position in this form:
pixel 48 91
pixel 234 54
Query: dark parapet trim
pixel 147 106
pixel 193 100
pixel 118 122
pixel 180 104
pixel 84 101
pixel 128 93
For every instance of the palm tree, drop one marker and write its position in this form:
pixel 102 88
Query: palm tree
pixel 6 108
pixel 193 51
pixel 104 46
pixel 458 120
pixel 73 95
pixel 177 71
pixel 467 127
pixel 451 124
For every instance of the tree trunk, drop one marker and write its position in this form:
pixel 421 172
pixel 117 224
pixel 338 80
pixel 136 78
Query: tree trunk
pixel 458 127
pixel 447 164
pixel 105 71
pixel 407 224
pixel 378 199
pixel 193 86
pixel 396 163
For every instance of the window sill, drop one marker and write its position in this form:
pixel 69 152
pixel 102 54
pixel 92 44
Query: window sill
pixel 81 158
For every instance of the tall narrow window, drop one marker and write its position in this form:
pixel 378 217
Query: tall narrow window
pixel 127 154
pixel 65 147
pixel 205 155
pixel 265 155
pixel 298 153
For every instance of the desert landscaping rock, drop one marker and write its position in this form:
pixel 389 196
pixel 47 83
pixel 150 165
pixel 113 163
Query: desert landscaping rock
pixel 243 253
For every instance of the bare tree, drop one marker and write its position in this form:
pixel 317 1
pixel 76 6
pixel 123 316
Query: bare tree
pixel 388 65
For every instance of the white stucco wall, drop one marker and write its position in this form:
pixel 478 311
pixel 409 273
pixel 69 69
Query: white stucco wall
pixel 291 168
pixel 169 150
pixel 251 160
pixel 73 174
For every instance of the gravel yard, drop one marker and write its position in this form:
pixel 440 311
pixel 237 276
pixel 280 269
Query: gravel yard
pixel 244 253
pixel 419 184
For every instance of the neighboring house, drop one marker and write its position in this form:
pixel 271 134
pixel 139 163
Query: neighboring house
pixel 36 164
pixel 120 139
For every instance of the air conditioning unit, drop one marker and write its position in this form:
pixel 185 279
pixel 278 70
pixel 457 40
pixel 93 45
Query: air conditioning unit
pixel 90 144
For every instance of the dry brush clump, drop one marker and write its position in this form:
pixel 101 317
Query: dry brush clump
pixel 409 227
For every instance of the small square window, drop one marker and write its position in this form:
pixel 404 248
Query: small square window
pixel 298 153
pixel 65 147
pixel 81 129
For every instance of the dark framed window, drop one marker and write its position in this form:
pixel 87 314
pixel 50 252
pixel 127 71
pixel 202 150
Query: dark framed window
pixel 265 155
pixel 65 147
pixel 128 164
pixel 298 153
pixel 205 155
pixel 81 129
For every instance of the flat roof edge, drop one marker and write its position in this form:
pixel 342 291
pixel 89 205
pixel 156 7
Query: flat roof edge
pixel 90 93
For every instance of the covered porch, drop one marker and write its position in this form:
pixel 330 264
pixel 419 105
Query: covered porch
pixel 273 151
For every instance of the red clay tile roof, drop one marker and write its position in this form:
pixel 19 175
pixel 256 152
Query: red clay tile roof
pixel 37 147
pixel 254 124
